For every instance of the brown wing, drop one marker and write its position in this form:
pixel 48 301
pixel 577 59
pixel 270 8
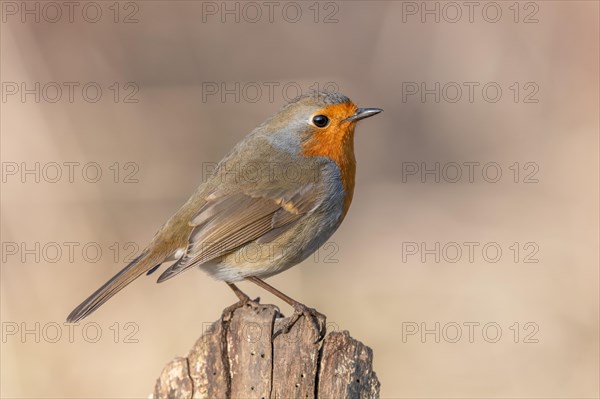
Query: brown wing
pixel 228 221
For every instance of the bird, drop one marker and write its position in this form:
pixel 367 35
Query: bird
pixel 271 202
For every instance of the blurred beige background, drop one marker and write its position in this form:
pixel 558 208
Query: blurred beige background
pixel 368 280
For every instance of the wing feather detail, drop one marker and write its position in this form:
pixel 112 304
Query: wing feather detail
pixel 229 221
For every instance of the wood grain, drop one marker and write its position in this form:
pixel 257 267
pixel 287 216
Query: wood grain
pixel 246 354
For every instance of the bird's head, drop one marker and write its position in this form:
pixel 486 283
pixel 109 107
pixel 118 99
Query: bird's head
pixel 321 124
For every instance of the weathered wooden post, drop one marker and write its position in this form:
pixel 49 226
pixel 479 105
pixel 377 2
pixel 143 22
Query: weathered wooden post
pixel 246 355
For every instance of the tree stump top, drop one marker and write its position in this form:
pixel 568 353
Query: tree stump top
pixel 245 354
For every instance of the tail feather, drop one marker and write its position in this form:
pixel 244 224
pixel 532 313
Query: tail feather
pixel 136 268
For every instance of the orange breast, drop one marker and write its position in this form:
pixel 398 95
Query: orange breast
pixel 336 142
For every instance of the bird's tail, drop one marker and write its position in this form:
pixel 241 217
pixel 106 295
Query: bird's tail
pixel 136 268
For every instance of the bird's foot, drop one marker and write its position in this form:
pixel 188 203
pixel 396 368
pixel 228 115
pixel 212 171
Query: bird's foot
pixel 244 301
pixel 316 318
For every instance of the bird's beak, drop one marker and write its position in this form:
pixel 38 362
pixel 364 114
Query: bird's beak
pixel 362 113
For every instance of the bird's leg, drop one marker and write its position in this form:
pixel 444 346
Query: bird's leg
pixel 317 318
pixel 241 296
pixel 243 300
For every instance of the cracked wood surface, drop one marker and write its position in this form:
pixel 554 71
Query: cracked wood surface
pixel 246 355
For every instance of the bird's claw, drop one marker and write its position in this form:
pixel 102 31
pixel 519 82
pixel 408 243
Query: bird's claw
pixel 316 318
pixel 244 301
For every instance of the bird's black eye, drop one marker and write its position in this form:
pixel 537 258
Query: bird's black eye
pixel 320 120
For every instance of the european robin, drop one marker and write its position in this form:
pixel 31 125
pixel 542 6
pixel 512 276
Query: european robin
pixel 268 205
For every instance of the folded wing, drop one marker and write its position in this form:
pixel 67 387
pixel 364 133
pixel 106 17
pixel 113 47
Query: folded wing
pixel 229 221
